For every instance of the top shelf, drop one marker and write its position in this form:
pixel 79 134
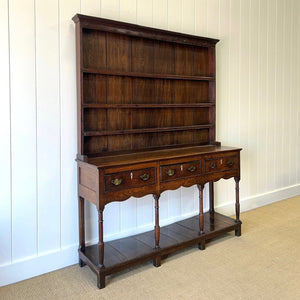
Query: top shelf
pixel 147 75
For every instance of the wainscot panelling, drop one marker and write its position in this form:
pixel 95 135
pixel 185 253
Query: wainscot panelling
pixel 68 126
pixel 5 154
pixel 47 126
pixel 258 104
pixel 23 129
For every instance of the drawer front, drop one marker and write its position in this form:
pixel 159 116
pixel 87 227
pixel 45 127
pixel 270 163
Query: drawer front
pixel 129 179
pixel 219 164
pixel 182 170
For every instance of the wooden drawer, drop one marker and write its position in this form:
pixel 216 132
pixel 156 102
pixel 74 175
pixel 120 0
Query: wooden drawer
pixel 219 164
pixel 129 179
pixel 182 170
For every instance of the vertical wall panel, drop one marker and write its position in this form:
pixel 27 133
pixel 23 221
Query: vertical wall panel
pixel 297 97
pixel 201 17
pixel 144 12
pixel 288 42
pixel 244 95
pixel 110 9
pixel 234 74
pixel 188 16
pixel 91 7
pixel 128 10
pixel 279 155
pixel 160 14
pixel 174 15
pixel 5 159
pixel 213 7
pixel 23 126
pixel 271 94
pixel 253 129
pixel 262 98
pixel 284 97
pixel 69 230
pixel 48 125
pixel 293 91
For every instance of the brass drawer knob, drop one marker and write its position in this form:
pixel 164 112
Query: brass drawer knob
pixel 145 177
pixel 212 165
pixel 117 181
pixel 192 168
pixel 230 163
pixel 170 172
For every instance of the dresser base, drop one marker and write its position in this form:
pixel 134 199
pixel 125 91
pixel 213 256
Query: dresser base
pixel 126 252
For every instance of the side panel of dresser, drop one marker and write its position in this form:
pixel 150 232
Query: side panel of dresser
pixel 88 182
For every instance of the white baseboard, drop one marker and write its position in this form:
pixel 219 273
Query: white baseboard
pixel 21 270
pixel 18 271
pixel 260 200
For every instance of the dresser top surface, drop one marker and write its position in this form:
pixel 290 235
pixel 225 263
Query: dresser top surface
pixel 155 155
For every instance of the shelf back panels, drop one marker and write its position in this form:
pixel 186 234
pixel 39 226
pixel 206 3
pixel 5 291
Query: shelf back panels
pixel 142 88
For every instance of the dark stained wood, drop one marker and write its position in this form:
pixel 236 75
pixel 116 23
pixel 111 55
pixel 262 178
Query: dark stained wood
pixel 211 197
pixel 201 214
pixel 138 248
pixel 156 227
pixel 148 75
pixel 118 52
pixel 100 242
pixel 172 105
pixel 146 118
pixel 93 44
pixel 237 202
pixel 81 227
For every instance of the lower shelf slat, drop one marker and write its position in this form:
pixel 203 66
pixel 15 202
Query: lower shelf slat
pixel 126 252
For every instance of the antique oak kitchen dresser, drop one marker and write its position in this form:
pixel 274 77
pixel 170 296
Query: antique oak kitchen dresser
pixel 146 124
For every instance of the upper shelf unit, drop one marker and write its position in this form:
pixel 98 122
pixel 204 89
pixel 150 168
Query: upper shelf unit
pixel 142 88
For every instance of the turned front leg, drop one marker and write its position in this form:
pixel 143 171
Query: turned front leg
pixel 211 197
pixel 157 259
pixel 237 199
pixel 100 242
pixel 201 215
pixel 156 227
pixel 237 206
pixel 81 228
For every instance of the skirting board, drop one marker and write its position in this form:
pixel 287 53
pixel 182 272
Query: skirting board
pixel 35 266
pixel 260 200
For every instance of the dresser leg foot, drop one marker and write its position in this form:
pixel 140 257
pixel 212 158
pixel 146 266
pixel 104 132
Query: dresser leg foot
pixel 201 245
pixel 238 231
pixel 157 261
pixel 81 263
pixel 100 281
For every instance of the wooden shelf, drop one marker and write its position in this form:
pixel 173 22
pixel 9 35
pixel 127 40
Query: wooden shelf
pixel 141 247
pixel 157 105
pixel 146 130
pixel 148 75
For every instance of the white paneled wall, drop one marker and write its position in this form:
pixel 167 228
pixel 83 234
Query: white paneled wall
pixel 258 104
